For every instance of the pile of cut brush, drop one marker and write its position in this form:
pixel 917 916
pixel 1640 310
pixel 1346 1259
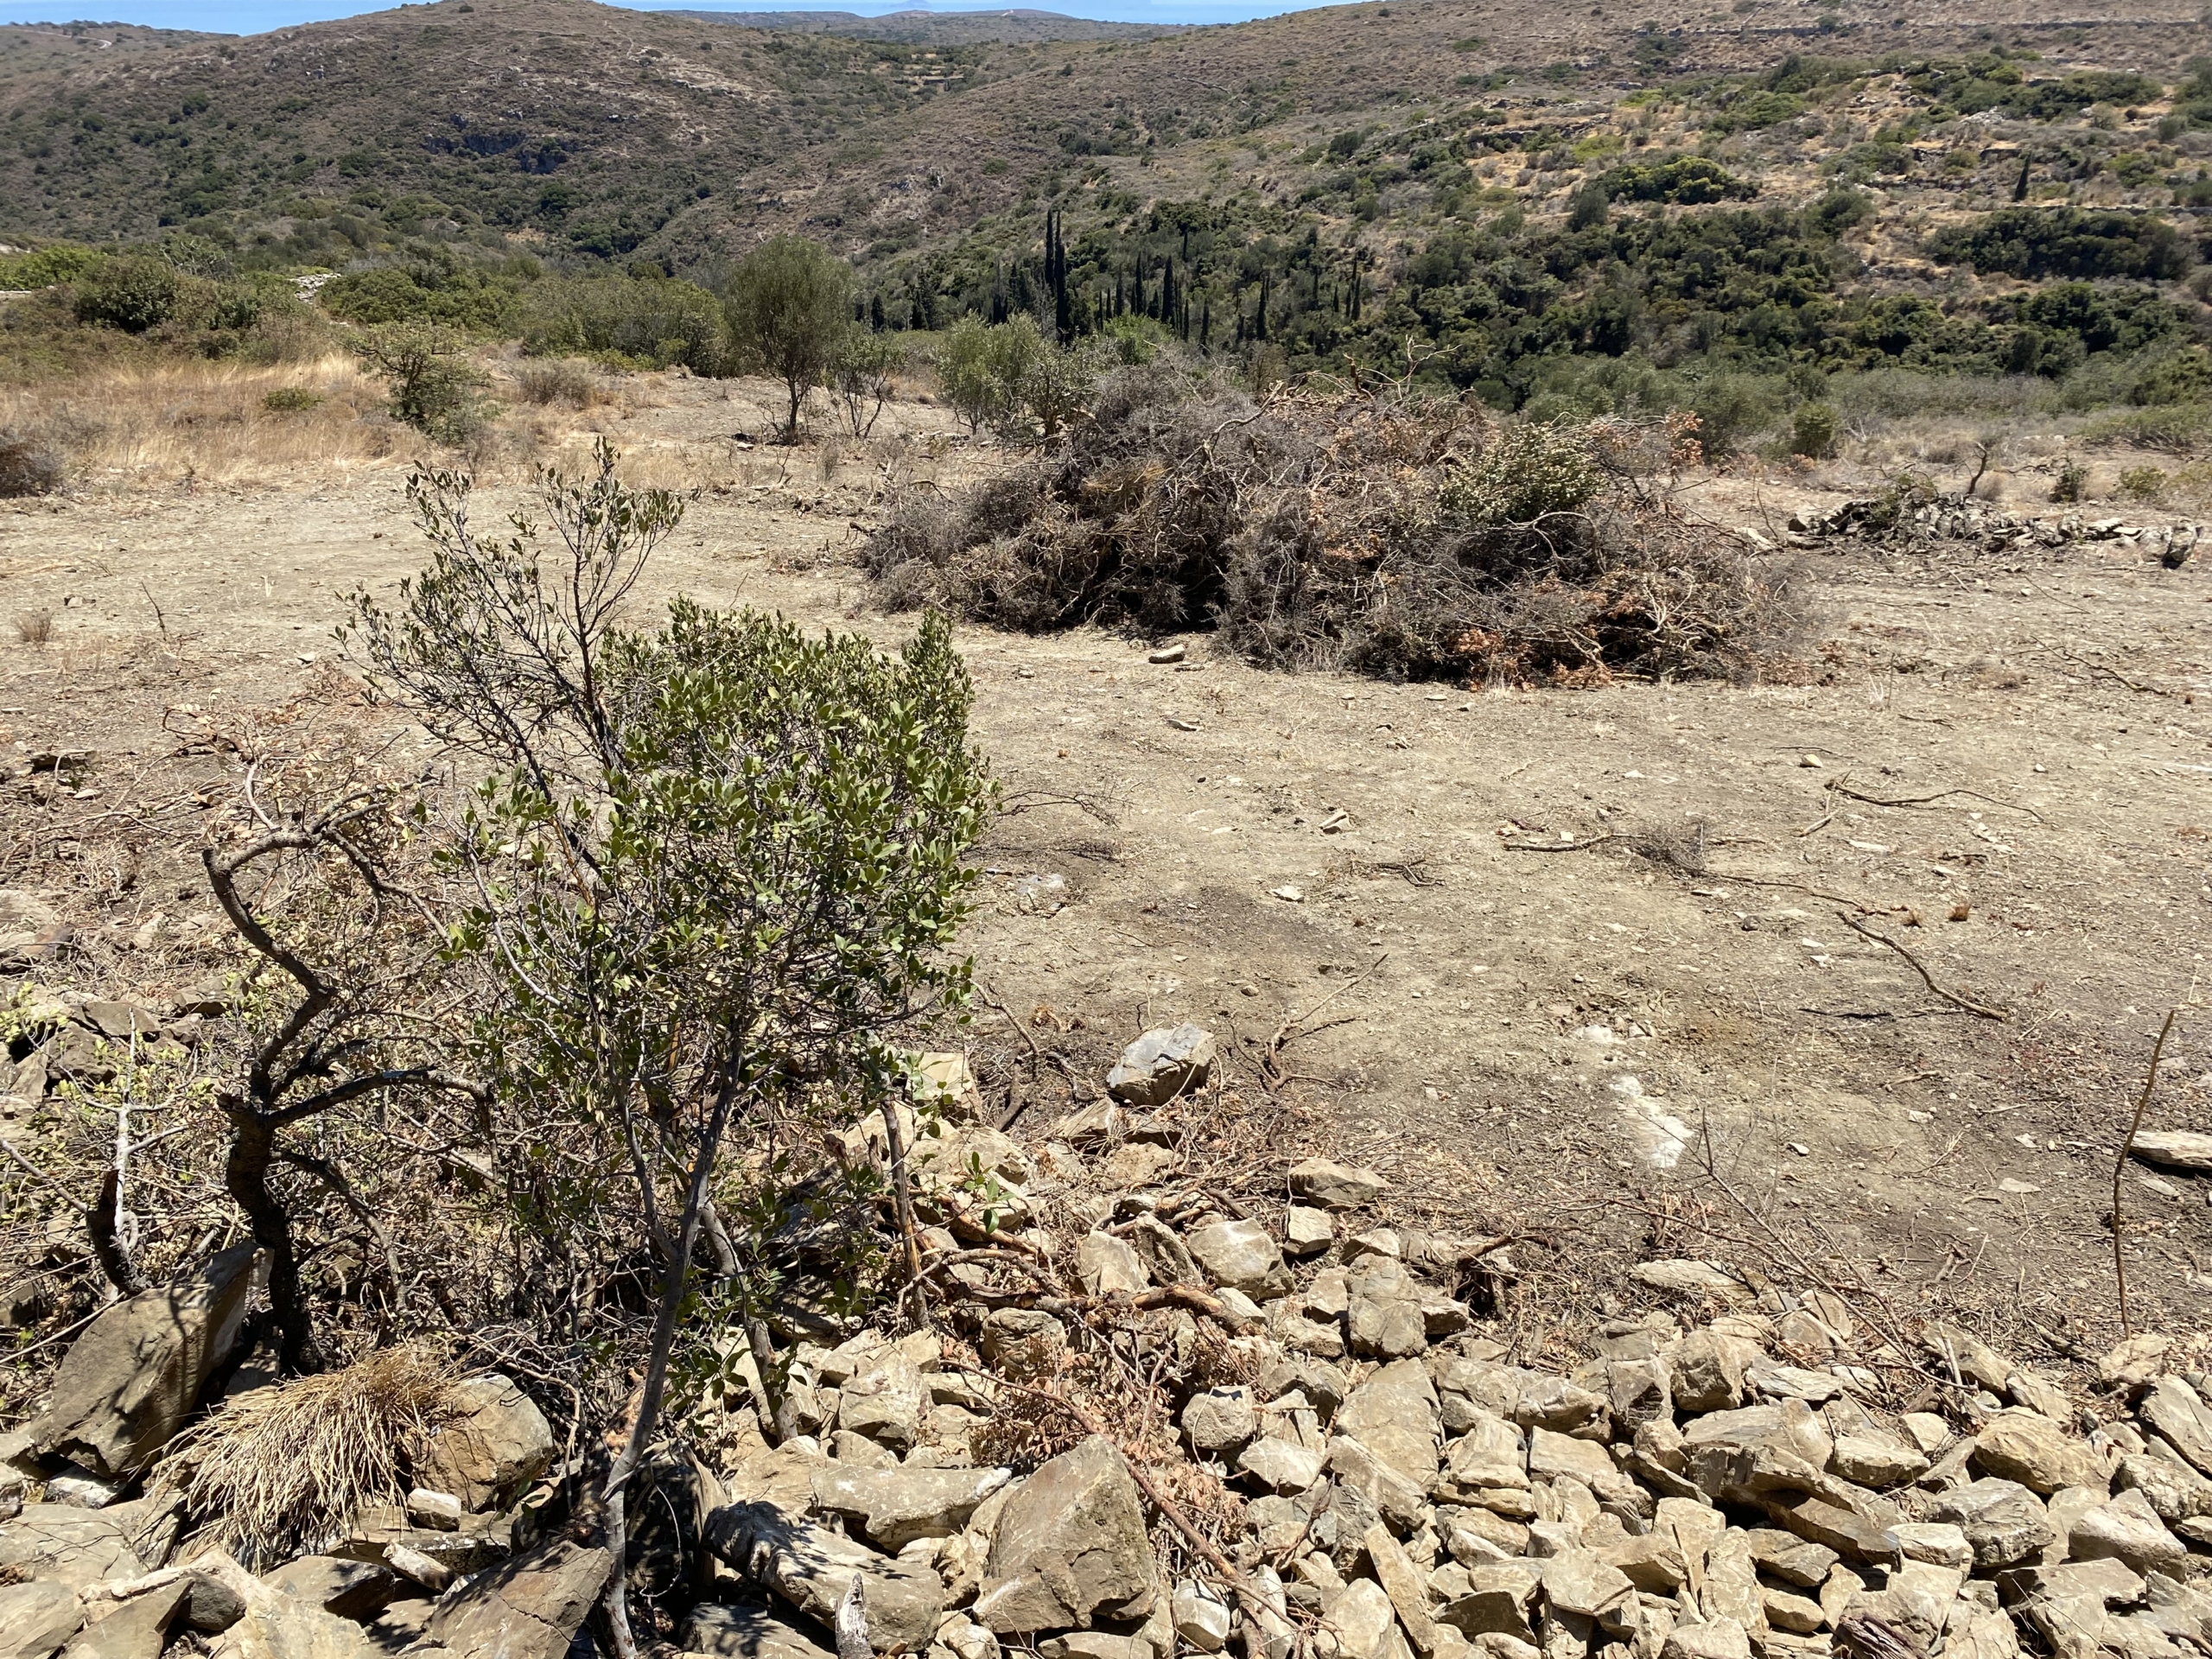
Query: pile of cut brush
pixel 1394 534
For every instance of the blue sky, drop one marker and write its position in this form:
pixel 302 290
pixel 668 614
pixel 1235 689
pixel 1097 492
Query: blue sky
pixel 254 16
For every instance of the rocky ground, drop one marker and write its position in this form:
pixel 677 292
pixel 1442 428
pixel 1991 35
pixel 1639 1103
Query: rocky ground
pixel 1227 1405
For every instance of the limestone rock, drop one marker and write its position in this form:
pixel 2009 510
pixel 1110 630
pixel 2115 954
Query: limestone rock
pixel 37 1617
pixel 1386 1315
pixel 1938 1542
pixel 1497 1600
pixel 1164 1253
pixel 1220 1421
pixel 1307 1231
pixel 1706 1371
pixel 1878 1460
pixel 1715 1638
pixel 69 1547
pixel 1394 1415
pixel 2173 1409
pixel 1790 1558
pixel 128 1383
pixel 1202 1618
pixel 2027 1447
pixel 1385 1489
pixel 498 1443
pixel 1490 1455
pixel 1281 1465
pixel 1107 1267
pixel 528 1607
pixel 746 1630
pixel 1241 1255
pixel 812 1567
pixel 1162 1065
pixel 897 1505
pixel 886 1398
pixel 1687 1277
pixel 283 1628
pixel 2004 1522
pixel 1336 1186
pixel 1068 1546
pixel 2126 1529
pixel 351 1589
pixel 1974 1358
pixel 1579 1582
pixel 1362 1621
pixel 2174 1489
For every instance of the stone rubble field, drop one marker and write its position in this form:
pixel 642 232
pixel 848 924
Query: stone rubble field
pixel 1149 1417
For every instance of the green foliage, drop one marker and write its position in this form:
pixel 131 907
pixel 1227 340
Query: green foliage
pixel 722 866
pixel 1754 108
pixel 1812 431
pixel 1531 471
pixel 435 388
pixel 290 399
pixel 62 261
pixel 1683 179
pixel 1009 377
pixel 2143 483
pixel 963 366
pixel 133 292
pixel 789 305
pixel 2043 241
pixel 2072 483
pixel 654 321
pixel 427 290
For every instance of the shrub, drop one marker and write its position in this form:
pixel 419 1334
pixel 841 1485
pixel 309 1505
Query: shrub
pixel 27 468
pixel 34 627
pixel 2041 242
pixel 287 400
pixel 434 389
pixel 649 320
pixel 133 293
pixel 435 287
pixel 563 381
pixel 2143 483
pixel 1682 179
pixel 1530 472
pixel 2072 483
pixel 64 262
pixel 1812 431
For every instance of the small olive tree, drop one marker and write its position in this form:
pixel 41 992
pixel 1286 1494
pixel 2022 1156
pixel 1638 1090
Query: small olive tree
pixel 721 866
pixel 790 305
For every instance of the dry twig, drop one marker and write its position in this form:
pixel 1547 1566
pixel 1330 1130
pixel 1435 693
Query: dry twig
pixel 2126 1147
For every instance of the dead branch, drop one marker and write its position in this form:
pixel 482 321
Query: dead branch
pixel 2126 1147
pixel 1975 1008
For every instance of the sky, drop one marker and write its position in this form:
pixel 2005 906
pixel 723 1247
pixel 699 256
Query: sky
pixel 256 16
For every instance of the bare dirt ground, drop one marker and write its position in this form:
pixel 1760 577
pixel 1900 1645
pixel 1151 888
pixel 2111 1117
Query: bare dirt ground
pixel 1663 1034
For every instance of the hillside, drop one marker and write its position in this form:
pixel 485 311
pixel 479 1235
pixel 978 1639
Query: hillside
pixel 1011 27
pixel 585 125
pixel 1638 204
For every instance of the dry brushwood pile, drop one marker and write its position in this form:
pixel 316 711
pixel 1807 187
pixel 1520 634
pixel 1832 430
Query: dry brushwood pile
pixel 1396 536
pixel 1142 1392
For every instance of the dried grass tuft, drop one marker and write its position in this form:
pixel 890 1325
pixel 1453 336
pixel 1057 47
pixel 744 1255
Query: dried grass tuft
pixel 281 1472
pixel 1399 535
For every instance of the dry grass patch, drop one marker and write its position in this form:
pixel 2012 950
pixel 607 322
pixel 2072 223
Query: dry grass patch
pixel 220 422
pixel 281 1471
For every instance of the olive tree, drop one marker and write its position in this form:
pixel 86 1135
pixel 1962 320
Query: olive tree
pixel 721 866
pixel 790 307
